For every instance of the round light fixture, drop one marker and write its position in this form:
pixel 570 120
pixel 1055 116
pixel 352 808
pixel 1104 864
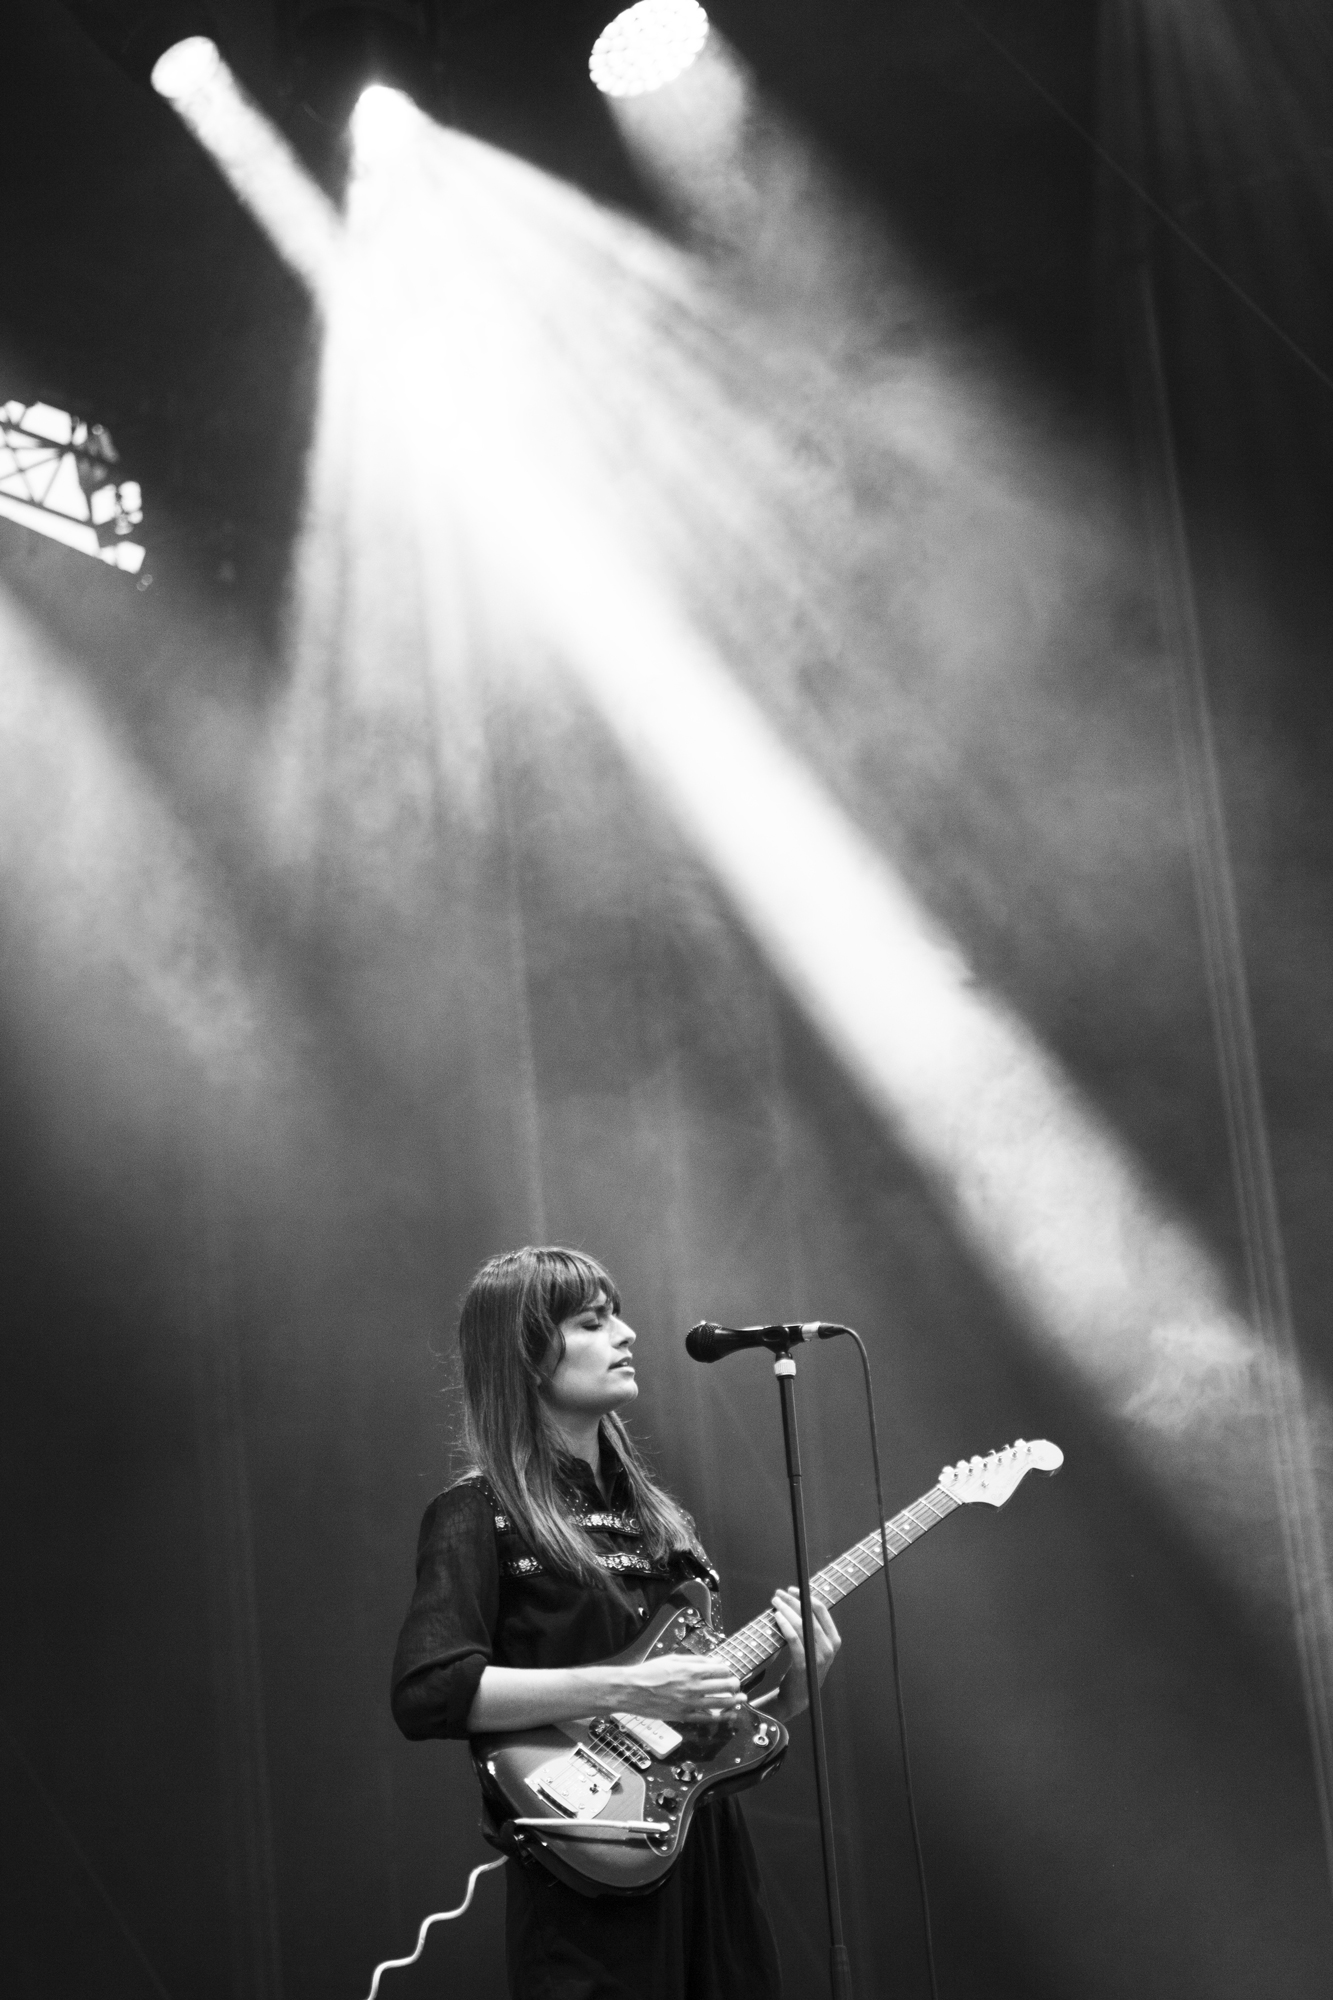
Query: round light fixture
pixel 381 122
pixel 647 46
pixel 186 67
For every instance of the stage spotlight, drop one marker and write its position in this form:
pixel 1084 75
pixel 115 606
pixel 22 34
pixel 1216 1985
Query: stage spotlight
pixel 252 156
pixel 186 67
pixel 381 124
pixel 646 46
pixel 341 48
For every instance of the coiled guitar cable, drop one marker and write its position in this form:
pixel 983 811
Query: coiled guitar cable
pixel 439 1917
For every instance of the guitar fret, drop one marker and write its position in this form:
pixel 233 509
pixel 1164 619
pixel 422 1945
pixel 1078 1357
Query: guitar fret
pixel 865 1557
pixel 756 1643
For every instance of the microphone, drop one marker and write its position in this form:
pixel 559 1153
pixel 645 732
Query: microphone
pixel 710 1342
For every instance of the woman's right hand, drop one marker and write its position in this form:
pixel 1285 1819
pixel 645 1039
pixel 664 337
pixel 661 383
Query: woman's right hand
pixel 683 1687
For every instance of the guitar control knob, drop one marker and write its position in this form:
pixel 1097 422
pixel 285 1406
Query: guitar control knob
pixel 685 1774
pixel 689 1621
pixel 667 1801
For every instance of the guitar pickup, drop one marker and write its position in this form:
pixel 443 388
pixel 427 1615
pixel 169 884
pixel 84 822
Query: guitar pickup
pixel 655 1736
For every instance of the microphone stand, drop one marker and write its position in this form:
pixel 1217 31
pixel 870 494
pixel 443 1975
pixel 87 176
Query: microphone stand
pixel 840 1965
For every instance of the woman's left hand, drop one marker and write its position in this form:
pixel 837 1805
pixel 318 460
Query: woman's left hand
pixel 787 1616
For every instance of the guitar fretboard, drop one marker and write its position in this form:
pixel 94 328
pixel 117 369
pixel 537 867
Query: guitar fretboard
pixel 756 1643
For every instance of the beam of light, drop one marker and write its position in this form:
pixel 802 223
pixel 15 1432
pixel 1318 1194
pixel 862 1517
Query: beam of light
pixel 745 186
pixel 263 171
pixel 647 46
pixel 692 134
pixel 494 307
pixel 127 968
pixel 742 186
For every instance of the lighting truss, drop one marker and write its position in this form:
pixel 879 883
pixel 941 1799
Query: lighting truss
pixel 58 477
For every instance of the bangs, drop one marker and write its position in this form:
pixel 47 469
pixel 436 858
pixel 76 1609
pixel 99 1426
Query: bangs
pixel 571 1281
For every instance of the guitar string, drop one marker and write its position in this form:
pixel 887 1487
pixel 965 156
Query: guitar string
pixel 754 1644
pixel 614 1756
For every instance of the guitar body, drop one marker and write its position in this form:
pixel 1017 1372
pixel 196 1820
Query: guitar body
pixel 606 1803
pixel 643 1780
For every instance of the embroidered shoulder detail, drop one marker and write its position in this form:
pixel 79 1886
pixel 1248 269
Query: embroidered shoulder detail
pixel 625 1563
pixel 618 1523
pixel 521 1566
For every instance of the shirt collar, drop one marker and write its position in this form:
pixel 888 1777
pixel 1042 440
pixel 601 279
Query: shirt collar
pixel 578 1475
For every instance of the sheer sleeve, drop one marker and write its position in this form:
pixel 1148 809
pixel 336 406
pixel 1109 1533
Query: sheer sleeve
pixel 446 1640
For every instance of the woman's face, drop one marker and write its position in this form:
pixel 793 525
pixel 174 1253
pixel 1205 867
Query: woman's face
pixel 595 1373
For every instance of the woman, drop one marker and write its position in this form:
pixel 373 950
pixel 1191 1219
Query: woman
pixel 553 1552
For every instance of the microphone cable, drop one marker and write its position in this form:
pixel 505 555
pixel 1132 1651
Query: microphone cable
pixel 897 1676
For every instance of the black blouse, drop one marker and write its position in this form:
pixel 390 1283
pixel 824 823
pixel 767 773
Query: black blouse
pixel 484 1598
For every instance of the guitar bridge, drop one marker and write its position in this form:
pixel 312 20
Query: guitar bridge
pixel 578 1784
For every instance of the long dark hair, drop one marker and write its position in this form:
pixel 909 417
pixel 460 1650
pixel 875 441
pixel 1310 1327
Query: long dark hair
pixel 508 1337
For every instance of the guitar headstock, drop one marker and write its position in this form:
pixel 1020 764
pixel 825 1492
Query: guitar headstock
pixel 994 1477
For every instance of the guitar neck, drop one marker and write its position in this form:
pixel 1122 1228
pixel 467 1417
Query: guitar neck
pixel 755 1644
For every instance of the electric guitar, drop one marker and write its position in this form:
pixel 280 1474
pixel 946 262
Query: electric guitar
pixel 606 1802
